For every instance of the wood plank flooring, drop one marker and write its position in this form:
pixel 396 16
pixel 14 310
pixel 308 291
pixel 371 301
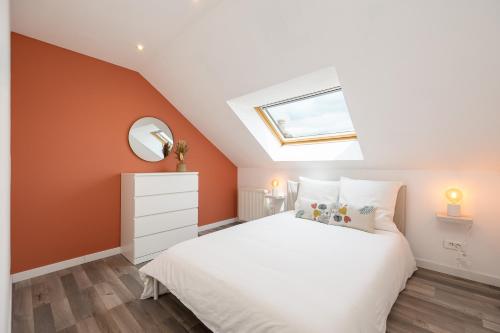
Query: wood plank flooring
pixel 103 296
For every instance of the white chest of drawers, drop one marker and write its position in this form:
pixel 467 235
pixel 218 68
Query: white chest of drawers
pixel 158 210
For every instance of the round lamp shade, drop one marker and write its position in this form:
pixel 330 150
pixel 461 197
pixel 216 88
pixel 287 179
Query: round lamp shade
pixel 454 196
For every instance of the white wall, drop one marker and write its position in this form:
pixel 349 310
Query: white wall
pixel 425 197
pixel 420 77
pixel 5 285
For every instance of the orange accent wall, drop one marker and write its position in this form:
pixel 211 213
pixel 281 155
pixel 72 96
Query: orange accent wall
pixel 70 119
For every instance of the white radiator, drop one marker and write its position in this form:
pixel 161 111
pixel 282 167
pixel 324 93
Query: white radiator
pixel 251 203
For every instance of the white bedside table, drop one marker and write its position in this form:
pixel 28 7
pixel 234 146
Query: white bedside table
pixel 275 203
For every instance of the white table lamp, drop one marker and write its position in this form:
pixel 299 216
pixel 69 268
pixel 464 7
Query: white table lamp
pixel 454 196
pixel 274 184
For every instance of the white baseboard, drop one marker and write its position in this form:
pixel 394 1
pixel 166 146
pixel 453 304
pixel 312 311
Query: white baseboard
pixel 92 257
pixel 63 265
pixel 474 276
pixel 216 224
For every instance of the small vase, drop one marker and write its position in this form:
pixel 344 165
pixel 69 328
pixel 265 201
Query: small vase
pixel 181 167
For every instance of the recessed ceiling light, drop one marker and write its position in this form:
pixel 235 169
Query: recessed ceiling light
pixel 140 47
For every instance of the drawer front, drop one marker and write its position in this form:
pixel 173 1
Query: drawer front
pixel 162 241
pixel 145 258
pixel 156 204
pixel 151 185
pixel 152 224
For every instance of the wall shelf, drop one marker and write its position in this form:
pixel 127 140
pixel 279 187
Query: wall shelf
pixel 463 220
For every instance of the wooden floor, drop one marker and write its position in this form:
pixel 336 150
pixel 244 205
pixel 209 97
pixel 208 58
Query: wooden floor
pixel 103 296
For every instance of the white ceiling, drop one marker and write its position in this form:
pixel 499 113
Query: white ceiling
pixel 108 29
pixel 421 77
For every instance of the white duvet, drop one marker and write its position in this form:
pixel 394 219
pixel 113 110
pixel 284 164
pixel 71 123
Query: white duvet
pixel 283 274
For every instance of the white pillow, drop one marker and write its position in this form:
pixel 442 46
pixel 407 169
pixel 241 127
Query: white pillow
pixel 379 194
pixel 318 190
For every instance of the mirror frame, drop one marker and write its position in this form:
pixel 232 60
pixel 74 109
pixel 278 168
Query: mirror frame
pixel 131 145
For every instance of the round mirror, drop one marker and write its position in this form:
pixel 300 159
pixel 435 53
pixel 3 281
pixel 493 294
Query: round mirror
pixel 150 139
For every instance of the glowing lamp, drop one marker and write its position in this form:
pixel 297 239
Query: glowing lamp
pixel 274 184
pixel 454 197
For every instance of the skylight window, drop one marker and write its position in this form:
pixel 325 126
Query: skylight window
pixel 164 138
pixel 318 117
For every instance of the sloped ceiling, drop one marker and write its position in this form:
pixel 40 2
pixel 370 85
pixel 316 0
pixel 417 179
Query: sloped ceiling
pixel 421 77
pixel 108 29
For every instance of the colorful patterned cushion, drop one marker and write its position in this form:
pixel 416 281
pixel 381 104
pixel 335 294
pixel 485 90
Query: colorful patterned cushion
pixel 354 217
pixel 314 210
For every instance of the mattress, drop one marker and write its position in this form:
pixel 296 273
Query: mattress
pixel 283 274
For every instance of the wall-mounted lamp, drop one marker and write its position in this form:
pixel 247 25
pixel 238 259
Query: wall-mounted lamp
pixel 454 196
pixel 453 214
pixel 274 184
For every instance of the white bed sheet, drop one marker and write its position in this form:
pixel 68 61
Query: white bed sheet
pixel 283 274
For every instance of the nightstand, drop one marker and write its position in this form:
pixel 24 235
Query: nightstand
pixel 275 203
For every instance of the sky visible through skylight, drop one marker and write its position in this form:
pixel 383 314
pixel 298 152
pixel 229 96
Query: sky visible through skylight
pixel 319 115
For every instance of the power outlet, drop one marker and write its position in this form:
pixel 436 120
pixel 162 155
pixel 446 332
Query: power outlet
pixel 453 245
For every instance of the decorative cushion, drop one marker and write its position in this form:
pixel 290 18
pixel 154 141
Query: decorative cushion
pixel 314 210
pixel 352 217
pixel 379 194
pixel 320 191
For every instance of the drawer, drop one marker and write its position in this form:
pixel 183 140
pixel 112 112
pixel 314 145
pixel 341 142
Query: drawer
pixel 155 204
pixel 162 241
pixel 152 224
pixel 145 258
pixel 163 184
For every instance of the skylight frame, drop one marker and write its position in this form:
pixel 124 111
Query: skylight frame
pixel 162 137
pixel 273 126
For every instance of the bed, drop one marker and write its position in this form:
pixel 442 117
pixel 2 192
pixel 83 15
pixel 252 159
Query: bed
pixel 284 274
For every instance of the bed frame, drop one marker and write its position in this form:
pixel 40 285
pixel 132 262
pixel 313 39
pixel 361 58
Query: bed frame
pixel 400 210
pixel 156 288
pixel 399 220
